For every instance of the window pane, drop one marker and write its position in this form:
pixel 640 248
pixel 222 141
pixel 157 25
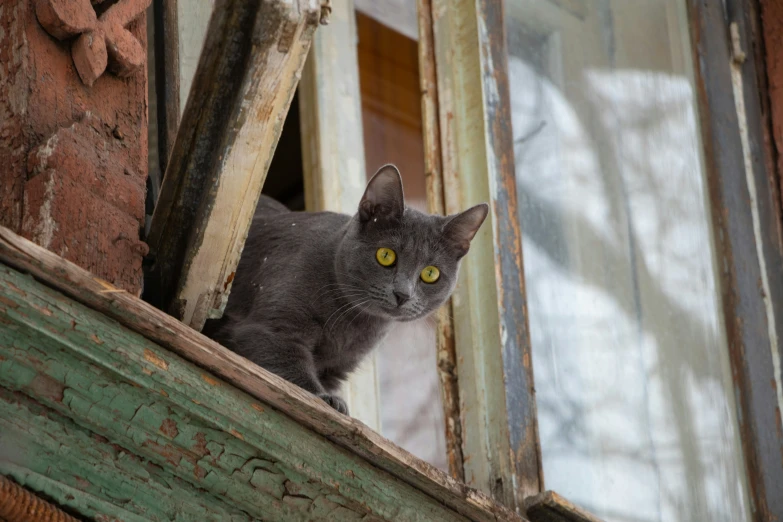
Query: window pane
pixel 636 414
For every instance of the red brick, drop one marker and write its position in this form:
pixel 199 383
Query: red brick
pixel 74 158
pixel 82 227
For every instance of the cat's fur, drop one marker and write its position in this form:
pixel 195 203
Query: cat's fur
pixel 310 300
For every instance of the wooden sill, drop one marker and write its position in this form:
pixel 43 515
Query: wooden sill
pixel 551 507
pixel 115 409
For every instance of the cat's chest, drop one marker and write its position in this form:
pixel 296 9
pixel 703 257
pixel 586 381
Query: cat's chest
pixel 349 345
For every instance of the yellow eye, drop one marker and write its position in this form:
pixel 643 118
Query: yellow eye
pixel 386 256
pixel 430 274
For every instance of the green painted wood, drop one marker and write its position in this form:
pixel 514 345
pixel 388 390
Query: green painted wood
pixel 76 381
pixel 100 478
pixel 309 412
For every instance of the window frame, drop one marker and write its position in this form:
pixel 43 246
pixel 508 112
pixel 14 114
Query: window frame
pixel 473 376
pixel 738 163
pixel 491 339
pixel 223 148
pixel 751 287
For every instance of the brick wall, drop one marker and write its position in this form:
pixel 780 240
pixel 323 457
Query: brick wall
pixel 73 157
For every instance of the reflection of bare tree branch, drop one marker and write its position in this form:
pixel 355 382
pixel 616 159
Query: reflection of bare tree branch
pixel 629 247
pixel 679 322
pixel 677 326
pixel 538 128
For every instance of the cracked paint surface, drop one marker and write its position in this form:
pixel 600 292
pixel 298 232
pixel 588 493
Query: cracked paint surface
pixel 127 430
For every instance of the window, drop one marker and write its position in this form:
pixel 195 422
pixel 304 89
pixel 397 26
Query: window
pixel 627 261
pixel 633 378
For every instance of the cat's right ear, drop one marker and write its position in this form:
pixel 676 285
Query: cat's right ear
pixel 383 198
pixel 461 228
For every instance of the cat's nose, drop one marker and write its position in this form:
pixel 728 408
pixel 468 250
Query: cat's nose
pixel 401 297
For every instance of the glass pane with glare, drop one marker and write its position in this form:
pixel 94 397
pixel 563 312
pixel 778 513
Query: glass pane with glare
pixel 636 415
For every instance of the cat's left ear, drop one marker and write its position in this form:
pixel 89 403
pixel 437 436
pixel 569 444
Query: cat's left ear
pixel 383 198
pixel 461 228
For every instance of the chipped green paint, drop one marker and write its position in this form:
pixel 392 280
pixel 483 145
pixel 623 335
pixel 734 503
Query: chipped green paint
pixel 86 472
pixel 105 421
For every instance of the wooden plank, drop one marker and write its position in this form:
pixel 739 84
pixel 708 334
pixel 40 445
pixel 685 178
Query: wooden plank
pixel 551 507
pixel 747 230
pixel 433 173
pixel 333 159
pixel 160 408
pixel 38 434
pixel 248 72
pixel 301 406
pixel 501 450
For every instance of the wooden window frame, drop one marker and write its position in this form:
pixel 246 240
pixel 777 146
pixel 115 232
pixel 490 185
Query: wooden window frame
pixel 477 367
pixel 742 187
pixel 333 163
pixel 498 432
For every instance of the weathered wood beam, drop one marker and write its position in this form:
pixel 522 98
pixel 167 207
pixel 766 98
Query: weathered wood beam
pixel 551 507
pixel 330 109
pixel 746 225
pixel 433 175
pixel 252 461
pixel 248 72
pixel 501 450
pixel 347 434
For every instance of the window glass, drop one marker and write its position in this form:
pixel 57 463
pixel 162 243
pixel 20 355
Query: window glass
pixel 636 415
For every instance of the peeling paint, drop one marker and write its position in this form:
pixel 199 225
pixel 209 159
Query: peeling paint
pixel 210 380
pixel 45 227
pixel 152 357
pixel 739 101
pixel 43 154
pixel 152 456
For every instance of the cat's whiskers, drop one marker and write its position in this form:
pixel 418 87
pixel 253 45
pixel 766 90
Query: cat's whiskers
pixel 443 311
pixel 431 321
pixel 360 312
pixel 346 311
pixel 340 308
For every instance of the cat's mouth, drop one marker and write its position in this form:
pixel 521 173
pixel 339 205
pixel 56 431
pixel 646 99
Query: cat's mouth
pixel 396 313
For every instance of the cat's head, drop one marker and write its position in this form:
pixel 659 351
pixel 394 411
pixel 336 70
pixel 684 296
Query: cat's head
pixel 402 262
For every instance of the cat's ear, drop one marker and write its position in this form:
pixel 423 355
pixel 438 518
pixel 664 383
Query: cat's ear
pixel 383 198
pixel 461 228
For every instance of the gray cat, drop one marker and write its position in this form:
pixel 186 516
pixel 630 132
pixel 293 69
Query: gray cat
pixel 315 291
